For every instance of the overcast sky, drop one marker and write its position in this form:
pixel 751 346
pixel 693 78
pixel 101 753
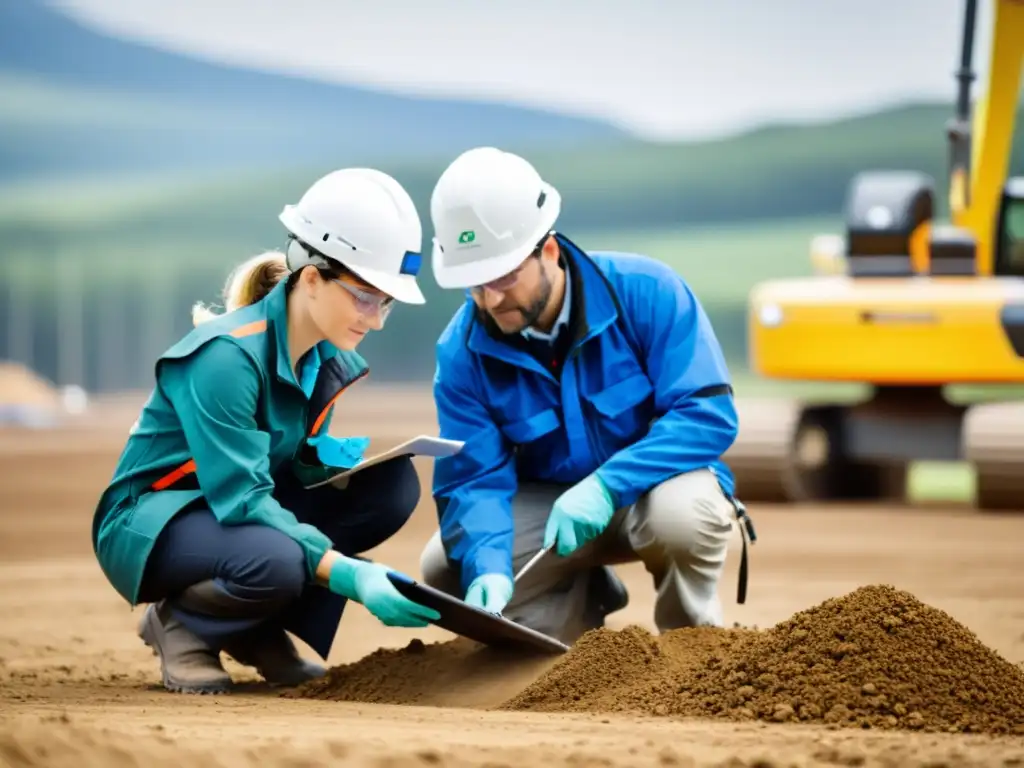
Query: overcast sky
pixel 661 68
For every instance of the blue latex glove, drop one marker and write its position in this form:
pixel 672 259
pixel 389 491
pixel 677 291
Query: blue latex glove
pixel 368 583
pixel 579 515
pixel 341 452
pixel 490 592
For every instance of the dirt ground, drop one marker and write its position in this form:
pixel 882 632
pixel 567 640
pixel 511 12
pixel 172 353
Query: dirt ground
pixel 77 687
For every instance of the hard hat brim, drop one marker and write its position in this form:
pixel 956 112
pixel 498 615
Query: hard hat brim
pixel 403 288
pixel 479 272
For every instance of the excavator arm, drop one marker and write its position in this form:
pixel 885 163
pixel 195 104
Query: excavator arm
pixel 910 307
pixel 980 157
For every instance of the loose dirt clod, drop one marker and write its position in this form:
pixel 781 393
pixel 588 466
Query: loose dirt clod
pixel 875 658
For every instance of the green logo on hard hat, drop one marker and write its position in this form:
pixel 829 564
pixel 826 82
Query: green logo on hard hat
pixel 467 237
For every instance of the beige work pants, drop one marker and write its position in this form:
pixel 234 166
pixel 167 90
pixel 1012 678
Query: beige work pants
pixel 679 530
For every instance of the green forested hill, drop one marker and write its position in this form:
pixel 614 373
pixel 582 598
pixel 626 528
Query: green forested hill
pixel 140 250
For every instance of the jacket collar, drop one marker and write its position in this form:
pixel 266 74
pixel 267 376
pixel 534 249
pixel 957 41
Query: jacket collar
pixel 565 316
pixel 596 310
pixel 348 366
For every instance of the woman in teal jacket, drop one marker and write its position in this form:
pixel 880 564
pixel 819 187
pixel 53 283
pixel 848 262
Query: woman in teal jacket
pixel 207 517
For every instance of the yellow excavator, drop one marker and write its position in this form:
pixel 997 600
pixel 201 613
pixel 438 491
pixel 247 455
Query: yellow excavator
pixel 916 305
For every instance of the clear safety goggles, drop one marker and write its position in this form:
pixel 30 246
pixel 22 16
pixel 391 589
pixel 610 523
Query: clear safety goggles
pixel 507 281
pixel 367 303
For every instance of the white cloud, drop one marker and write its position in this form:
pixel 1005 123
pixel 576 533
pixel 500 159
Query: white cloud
pixel 663 68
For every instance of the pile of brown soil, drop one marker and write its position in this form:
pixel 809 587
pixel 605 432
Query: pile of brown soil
pixel 630 670
pixel 875 658
pixel 457 673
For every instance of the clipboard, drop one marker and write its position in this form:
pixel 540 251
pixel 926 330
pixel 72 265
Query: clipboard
pixel 421 445
pixel 474 623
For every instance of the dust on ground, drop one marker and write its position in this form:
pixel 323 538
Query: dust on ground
pixel 78 688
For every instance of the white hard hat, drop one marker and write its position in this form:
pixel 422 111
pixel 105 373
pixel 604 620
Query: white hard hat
pixel 366 221
pixel 489 209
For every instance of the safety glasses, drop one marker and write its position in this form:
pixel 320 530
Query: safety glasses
pixel 507 281
pixel 368 303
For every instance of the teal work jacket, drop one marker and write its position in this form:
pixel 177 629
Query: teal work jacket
pixel 226 416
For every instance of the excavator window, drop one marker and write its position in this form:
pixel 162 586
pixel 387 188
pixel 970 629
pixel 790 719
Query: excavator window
pixel 1010 257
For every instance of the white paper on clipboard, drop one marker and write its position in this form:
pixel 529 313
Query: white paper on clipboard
pixel 421 445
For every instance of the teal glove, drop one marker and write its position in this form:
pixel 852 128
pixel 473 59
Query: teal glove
pixel 368 583
pixel 579 515
pixel 490 592
pixel 340 452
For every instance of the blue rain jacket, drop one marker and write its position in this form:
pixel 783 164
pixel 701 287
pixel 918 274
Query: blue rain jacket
pixel 644 395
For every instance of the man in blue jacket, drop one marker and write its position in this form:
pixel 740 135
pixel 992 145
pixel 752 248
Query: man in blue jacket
pixel 595 406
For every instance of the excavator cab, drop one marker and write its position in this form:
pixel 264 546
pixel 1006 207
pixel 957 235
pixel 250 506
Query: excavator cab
pixel 883 211
pixel 890 231
pixel 907 305
pixel 1009 255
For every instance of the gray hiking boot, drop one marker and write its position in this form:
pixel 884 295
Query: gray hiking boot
pixel 187 664
pixel 274 656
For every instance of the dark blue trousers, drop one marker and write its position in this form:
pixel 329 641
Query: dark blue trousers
pixel 224 581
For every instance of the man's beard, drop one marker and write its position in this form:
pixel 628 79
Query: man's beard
pixel 530 314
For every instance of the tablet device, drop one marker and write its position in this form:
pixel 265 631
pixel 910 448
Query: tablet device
pixel 421 445
pixel 474 623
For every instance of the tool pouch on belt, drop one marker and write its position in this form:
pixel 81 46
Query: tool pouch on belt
pixel 324 456
pixel 749 536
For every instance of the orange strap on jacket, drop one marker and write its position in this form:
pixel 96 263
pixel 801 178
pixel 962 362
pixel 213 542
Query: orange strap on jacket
pixel 172 477
pixel 189 466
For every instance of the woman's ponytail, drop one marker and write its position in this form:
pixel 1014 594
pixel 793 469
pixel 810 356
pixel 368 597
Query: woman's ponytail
pixel 249 282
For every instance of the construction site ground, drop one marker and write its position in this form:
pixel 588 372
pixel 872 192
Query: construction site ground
pixel 78 688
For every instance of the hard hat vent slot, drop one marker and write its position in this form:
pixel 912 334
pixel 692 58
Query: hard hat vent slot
pixel 542 198
pixel 340 239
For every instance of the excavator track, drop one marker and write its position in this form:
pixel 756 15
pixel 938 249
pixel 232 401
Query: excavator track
pixel 761 458
pixel 993 441
pixel 790 452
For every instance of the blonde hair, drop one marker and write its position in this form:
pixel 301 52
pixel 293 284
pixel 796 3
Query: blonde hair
pixel 249 282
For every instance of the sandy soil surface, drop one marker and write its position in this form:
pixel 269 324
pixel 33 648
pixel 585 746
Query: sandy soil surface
pixel 77 688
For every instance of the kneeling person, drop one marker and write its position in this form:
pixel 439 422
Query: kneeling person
pixel 208 517
pixel 595 406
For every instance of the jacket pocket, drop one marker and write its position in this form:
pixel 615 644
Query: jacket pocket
pixel 622 396
pixel 531 428
pixel 618 415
